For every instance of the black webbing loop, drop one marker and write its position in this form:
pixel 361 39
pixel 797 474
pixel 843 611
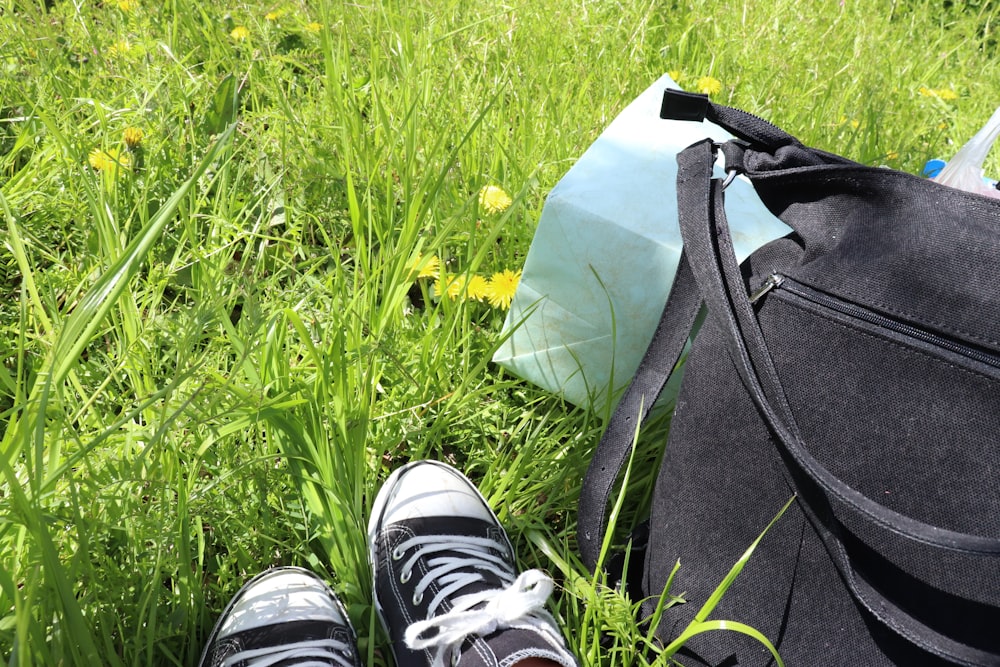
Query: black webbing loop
pixel 683 105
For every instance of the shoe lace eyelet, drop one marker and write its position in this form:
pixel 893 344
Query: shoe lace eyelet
pixel 397 554
pixel 405 577
pixel 417 599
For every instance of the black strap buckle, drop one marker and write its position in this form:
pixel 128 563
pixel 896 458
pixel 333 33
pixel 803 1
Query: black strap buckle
pixel 682 105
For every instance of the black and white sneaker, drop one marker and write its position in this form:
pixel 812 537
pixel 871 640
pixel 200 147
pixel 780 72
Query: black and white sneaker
pixel 282 617
pixel 445 586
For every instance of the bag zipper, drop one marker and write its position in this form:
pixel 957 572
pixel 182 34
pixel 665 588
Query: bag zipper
pixel 863 314
pixel 773 280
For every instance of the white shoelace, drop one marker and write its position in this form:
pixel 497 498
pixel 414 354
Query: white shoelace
pixel 520 603
pixel 316 653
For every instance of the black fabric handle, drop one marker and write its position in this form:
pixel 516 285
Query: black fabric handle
pixel 679 314
pixel 709 246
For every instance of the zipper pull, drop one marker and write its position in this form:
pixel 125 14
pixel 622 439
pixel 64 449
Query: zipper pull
pixel 773 280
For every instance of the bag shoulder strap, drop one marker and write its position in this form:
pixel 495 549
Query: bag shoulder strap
pixel 656 367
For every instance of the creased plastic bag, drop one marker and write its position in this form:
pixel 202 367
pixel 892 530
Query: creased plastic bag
pixel 605 253
pixel 965 170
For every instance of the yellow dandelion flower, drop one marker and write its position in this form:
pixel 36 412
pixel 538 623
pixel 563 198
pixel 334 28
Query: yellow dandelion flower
pixel 853 122
pixel 119 48
pixel 127 5
pixel 478 288
pixel 425 268
pixel 314 27
pixel 240 33
pixel 441 284
pixel 502 287
pixel 98 159
pixel 456 286
pixel 945 94
pixel 132 136
pixel 675 74
pixel 275 15
pixel 493 199
pixel 108 160
pixel 449 284
pixel 892 155
pixel 708 85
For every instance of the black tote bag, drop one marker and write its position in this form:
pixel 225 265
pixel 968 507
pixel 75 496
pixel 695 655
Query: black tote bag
pixel 854 364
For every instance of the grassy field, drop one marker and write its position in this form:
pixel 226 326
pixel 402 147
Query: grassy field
pixel 215 340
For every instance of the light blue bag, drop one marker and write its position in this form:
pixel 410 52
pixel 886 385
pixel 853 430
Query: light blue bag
pixel 605 252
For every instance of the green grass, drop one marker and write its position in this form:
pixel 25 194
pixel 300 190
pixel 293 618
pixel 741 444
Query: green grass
pixel 213 356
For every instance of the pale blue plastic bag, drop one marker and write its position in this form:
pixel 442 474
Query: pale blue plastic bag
pixel 605 252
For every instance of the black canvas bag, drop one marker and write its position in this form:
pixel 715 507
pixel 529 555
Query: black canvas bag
pixel 854 364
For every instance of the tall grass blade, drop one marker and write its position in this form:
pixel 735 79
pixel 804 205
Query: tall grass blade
pixel 699 624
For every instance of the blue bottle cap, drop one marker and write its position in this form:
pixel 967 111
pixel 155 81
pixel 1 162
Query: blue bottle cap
pixel 933 168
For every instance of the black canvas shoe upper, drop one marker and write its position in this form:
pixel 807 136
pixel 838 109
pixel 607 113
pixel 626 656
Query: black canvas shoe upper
pixel 445 584
pixel 283 617
pixel 297 643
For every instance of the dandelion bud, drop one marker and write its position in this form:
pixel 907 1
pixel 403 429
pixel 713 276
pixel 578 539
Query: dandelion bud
pixel 133 137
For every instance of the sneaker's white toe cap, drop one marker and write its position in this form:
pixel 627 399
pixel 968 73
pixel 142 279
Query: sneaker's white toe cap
pixel 426 489
pixel 280 596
